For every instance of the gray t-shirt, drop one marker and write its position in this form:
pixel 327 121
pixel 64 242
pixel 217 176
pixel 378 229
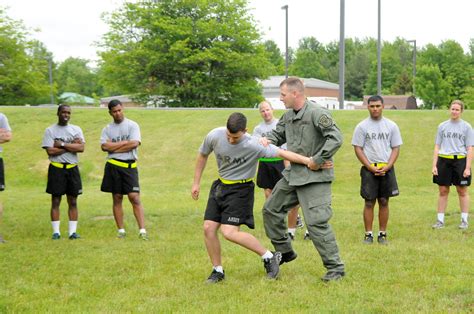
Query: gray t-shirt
pixel 4 125
pixel 65 133
pixel 377 138
pixel 453 137
pixel 127 130
pixel 264 128
pixel 238 161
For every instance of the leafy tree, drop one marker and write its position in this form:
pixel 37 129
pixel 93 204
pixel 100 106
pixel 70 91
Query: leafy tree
pixel 431 87
pixel 194 52
pixel 74 75
pixel 275 56
pixel 309 59
pixel 23 73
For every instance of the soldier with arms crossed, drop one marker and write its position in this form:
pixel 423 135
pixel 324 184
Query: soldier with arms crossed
pixel 62 142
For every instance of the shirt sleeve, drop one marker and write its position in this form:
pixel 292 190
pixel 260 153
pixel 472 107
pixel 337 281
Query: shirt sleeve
pixel 48 140
pixel 396 136
pixel 358 138
pixel 135 132
pixel 104 136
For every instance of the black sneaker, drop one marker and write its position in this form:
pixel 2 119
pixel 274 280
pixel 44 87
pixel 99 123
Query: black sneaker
pixel 306 236
pixel 382 239
pixel 272 265
pixel 291 236
pixel 215 277
pixel 288 257
pixel 368 238
pixel 333 276
pixel 74 236
pixel 56 236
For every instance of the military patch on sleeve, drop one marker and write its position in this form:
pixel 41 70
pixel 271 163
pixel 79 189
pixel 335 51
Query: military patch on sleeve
pixel 325 121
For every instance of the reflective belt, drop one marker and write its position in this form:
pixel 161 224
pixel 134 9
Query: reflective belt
pixel 270 159
pixel 452 156
pixel 235 181
pixel 63 166
pixel 379 164
pixel 122 164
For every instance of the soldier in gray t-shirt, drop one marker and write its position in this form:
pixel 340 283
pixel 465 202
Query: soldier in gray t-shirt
pixel 62 142
pixel 452 159
pixel 376 142
pixel 230 202
pixel 120 139
pixel 5 136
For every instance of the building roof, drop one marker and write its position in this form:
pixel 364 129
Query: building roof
pixel 274 82
pixel 396 102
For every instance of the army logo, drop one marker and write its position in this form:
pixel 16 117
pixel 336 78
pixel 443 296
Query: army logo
pixel 325 121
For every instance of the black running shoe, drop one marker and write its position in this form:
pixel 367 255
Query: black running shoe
pixel 288 257
pixel 299 222
pixel 382 239
pixel 215 277
pixel 291 236
pixel 272 265
pixel 368 238
pixel 56 236
pixel 333 276
pixel 74 236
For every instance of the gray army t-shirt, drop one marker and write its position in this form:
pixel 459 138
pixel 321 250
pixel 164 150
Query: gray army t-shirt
pixel 453 137
pixel 238 161
pixel 377 138
pixel 127 130
pixel 64 133
pixel 4 125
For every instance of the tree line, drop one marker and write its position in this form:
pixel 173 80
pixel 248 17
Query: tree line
pixel 209 53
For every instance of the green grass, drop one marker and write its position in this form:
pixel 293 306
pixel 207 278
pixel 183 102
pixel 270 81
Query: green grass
pixel 421 270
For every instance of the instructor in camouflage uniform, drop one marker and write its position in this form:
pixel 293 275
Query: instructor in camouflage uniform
pixel 309 130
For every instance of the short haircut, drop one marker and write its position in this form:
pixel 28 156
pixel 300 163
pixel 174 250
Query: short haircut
pixel 236 122
pixel 113 103
pixel 60 107
pixel 264 102
pixel 457 102
pixel 293 83
pixel 375 98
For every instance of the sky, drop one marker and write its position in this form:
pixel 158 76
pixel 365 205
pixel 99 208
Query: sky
pixel 70 28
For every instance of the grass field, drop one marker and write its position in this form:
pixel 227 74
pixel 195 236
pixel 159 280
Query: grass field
pixel 421 270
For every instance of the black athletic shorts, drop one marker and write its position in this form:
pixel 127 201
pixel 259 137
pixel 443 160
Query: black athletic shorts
pixel 64 181
pixel 269 173
pixel 119 180
pixel 2 175
pixel 450 172
pixel 373 187
pixel 231 204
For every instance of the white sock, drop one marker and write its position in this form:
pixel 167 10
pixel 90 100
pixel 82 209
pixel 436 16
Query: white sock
pixel 267 254
pixel 72 227
pixel 219 269
pixel 121 230
pixel 142 231
pixel 441 217
pixel 55 225
pixel 383 232
pixel 292 231
pixel 464 216
pixel 369 232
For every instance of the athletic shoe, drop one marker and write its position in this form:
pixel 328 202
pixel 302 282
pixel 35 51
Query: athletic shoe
pixel 368 238
pixel 464 225
pixel 74 236
pixel 2 240
pixel 56 236
pixel 438 225
pixel 143 236
pixel 382 238
pixel 306 236
pixel 299 222
pixel 121 235
pixel 272 265
pixel 291 236
pixel 215 277
pixel 288 257
pixel 333 276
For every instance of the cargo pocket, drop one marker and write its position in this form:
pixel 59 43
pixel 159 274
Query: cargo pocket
pixel 319 210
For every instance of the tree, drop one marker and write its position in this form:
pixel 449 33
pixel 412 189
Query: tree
pixel 194 52
pixel 309 59
pixel 74 75
pixel 23 73
pixel 431 87
pixel 275 57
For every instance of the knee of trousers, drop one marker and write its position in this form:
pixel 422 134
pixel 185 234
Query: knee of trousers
pixel 318 215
